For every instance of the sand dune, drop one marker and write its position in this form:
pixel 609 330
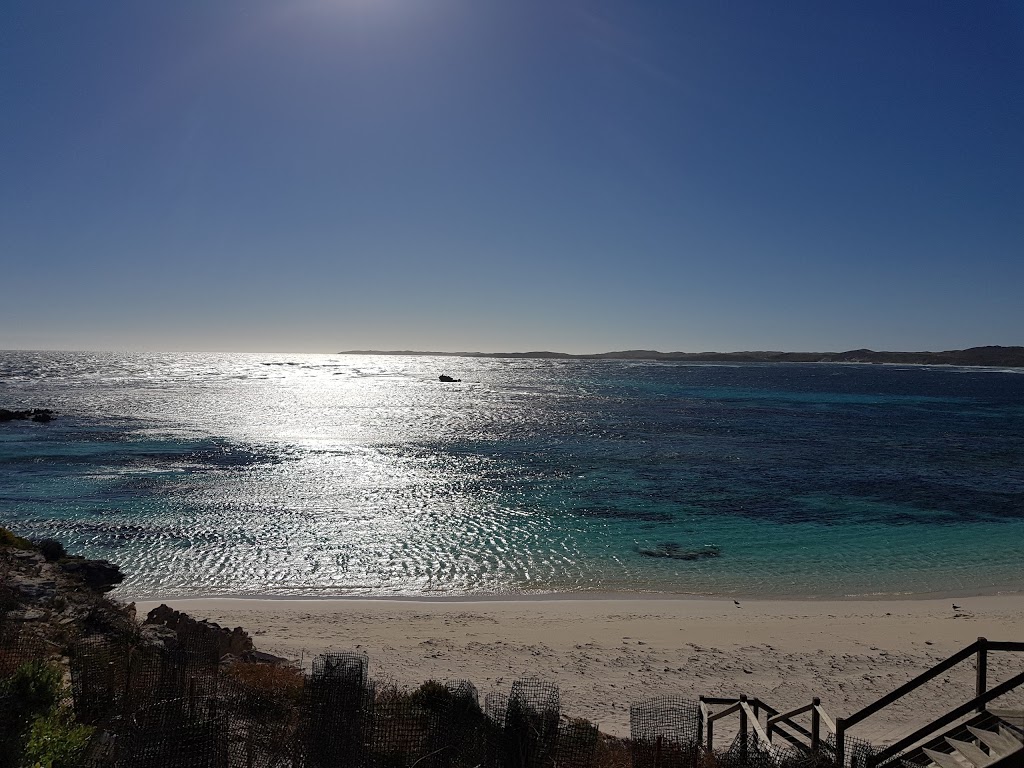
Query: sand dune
pixel 606 653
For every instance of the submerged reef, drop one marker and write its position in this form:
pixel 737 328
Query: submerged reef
pixel 674 551
pixel 41 415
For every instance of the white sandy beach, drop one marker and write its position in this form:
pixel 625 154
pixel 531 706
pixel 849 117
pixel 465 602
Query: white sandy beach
pixel 606 653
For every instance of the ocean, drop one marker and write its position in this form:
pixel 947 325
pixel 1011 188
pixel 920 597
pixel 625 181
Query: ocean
pixel 325 475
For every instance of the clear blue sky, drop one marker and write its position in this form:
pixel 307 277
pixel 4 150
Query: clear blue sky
pixel 318 175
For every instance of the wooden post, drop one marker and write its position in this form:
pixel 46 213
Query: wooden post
pixel 657 751
pixel 743 728
pixel 815 724
pixel 982 682
pixel 711 736
pixel 840 743
pixel 700 720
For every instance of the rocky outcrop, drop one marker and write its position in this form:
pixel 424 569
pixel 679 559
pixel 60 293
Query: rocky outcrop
pixel 99 575
pixel 32 588
pixel 229 642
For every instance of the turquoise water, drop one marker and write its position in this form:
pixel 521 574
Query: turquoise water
pixel 343 475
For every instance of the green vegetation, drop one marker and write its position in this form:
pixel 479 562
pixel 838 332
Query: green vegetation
pixel 55 740
pixel 35 687
pixel 39 729
pixel 52 550
pixel 8 539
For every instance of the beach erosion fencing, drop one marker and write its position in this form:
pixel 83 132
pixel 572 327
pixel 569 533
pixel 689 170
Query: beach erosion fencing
pixel 163 705
pixel 18 647
pixel 665 733
pixel 156 706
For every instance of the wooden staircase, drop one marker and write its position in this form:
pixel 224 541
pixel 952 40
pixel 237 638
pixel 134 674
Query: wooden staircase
pixel 997 746
pixel 970 735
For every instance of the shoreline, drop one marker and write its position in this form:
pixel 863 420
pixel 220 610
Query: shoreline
pixel 895 597
pixel 607 653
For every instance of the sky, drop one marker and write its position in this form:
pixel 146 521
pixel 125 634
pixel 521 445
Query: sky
pixel 571 175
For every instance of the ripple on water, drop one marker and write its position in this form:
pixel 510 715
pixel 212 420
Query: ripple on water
pixel 305 474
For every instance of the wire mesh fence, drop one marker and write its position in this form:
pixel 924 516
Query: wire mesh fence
pixel 336 712
pixel 577 744
pixel 527 735
pixel 857 751
pixel 154 705
pixel 664 733
pixel 99 680
pixel 18 647
pixel 748 751
pixel 177 733
pixel 261 723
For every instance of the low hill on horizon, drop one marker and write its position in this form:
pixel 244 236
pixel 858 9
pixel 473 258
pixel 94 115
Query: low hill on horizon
pixel 1008 357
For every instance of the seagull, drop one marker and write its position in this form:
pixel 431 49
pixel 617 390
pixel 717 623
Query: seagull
pixel 737 603
pixel 957 607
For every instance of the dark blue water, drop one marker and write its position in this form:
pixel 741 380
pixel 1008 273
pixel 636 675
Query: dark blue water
pixel 288 475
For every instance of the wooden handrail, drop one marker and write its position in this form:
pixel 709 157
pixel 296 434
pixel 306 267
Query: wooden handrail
pixel 792 713
pixel 946 719
pixel 753 722
pixel 775 719
pixel 770 710
pixel 1005 646
pixel 906 688
pixel 790 738
pixel 825 718
pixel 727 711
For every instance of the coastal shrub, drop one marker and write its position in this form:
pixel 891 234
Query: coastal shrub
pixel 612 752
pixel 281 680
pixel 52 549
pixel 432 696
pixel 32 691
pixel 9 539
pixel 35 685
pixel 55 740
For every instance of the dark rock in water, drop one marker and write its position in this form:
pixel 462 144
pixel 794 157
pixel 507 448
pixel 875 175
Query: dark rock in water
pixel 97 574
pixel 672 550
pixel 41 415
pixel 446 378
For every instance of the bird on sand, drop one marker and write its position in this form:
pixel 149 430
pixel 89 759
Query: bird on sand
pixel 957 607
pixel 737 603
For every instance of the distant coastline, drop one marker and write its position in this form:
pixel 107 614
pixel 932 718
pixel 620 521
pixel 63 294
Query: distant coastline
pixel 1008 357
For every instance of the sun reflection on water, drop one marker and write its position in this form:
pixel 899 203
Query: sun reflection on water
pixel 324 475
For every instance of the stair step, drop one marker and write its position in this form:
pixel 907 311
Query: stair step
pixel 1009 733
pixel 972 752
pixel 1001 744
pixel 944 760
